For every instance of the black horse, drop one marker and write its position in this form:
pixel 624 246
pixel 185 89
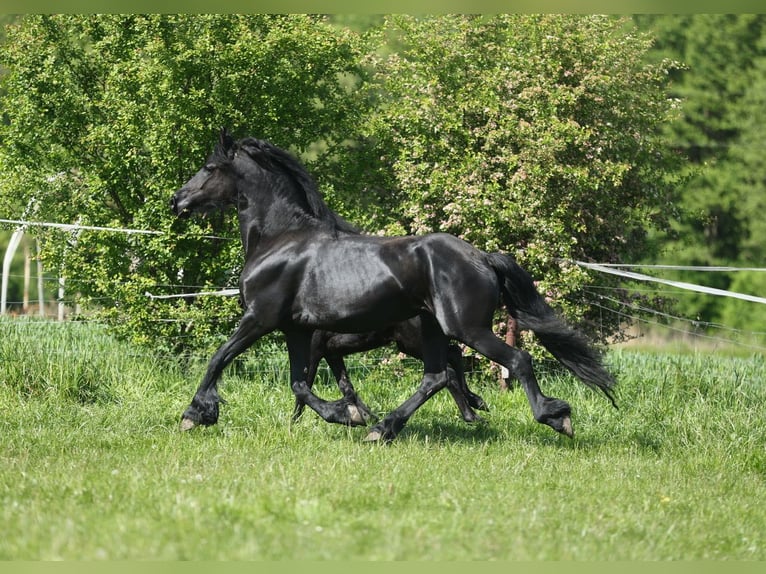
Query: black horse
pixel 307 269
pixel 333 347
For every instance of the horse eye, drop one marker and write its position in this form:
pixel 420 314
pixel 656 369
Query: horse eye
pixel 211 167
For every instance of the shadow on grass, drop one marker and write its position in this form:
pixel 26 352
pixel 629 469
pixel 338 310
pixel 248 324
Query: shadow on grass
pixel 451 431
pixel 485 432
pixel 528 432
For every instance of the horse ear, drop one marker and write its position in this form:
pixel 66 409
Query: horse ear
pixel 225 141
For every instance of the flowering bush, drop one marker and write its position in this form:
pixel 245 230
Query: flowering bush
pixel 536 135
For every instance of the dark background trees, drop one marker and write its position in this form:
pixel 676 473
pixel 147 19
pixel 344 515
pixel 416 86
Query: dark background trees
pixel 720 132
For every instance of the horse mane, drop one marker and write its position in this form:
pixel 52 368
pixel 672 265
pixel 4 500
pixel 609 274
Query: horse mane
pixel 276 160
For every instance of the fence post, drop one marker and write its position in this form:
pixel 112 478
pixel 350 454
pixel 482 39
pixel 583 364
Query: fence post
pixel 12 245
pixel 61 299
pixel 40 290
pixel 27 277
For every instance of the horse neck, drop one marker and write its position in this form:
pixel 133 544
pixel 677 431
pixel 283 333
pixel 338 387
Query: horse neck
pixel 249 233
pixel 264 216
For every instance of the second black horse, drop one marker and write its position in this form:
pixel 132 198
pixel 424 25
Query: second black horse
pixel 333 347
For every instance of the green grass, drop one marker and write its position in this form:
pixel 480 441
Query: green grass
pixel 92 465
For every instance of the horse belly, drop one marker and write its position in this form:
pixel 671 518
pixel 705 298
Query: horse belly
pixel 365 299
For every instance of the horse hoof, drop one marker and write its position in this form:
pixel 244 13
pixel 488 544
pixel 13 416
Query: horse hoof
pixel 355 416
pixel 373 436
pixel 567 427
pixel 187 424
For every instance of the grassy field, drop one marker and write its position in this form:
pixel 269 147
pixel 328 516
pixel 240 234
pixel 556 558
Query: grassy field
pixel 92 465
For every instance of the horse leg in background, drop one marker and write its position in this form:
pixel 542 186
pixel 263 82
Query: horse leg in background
pixel 203 409
pixel 338 368
pixel 460 398
pixel 408 338
pixel 316 353
pixel 547 410
pixel 455 360
pixel 435 378
pixel 343 411
pixel 320 342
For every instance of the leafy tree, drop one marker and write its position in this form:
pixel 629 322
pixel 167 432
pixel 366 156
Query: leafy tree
pixel 721 84
pixel 106 115
pixel 745 316
pixel 749 182
pixel 747 153
pixel 532 134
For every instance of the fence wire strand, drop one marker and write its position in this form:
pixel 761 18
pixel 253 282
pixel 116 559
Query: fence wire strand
pixel 630 313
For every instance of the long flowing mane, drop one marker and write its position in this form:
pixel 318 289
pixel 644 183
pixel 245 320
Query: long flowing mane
pixel 276 160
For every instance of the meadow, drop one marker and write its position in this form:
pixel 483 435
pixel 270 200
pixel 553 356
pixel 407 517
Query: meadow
pixel 93 466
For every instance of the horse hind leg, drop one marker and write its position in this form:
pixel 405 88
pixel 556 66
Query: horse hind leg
pixel 408 338
pixel 553 412
pixel 388 429
pixel 435 378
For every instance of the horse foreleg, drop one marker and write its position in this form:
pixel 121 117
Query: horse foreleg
pixel 203 409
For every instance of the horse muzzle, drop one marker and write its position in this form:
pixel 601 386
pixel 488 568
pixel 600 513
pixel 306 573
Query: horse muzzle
pixel 177 208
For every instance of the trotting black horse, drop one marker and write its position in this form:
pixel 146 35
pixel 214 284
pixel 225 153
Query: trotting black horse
pixel 307 269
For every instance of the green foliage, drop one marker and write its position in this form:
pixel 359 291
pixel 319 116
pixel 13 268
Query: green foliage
pixel 106 115
pixel 536 135
pixel 531 134
pixel 743 315
pixel 675 474
pixel 721 131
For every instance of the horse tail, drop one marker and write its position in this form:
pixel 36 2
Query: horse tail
pixel 529 308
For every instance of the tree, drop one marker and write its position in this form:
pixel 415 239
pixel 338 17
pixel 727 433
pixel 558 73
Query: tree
pixel 721 84
pixel 532 134
pixel 538 135
pixel 749 183
pixel 106 115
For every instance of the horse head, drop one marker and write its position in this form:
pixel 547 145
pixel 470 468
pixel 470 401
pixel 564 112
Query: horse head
pixel 213 187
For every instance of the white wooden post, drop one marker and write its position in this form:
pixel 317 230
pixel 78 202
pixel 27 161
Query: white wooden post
pixel 27 276
pixel 61 299
pixel 12 245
